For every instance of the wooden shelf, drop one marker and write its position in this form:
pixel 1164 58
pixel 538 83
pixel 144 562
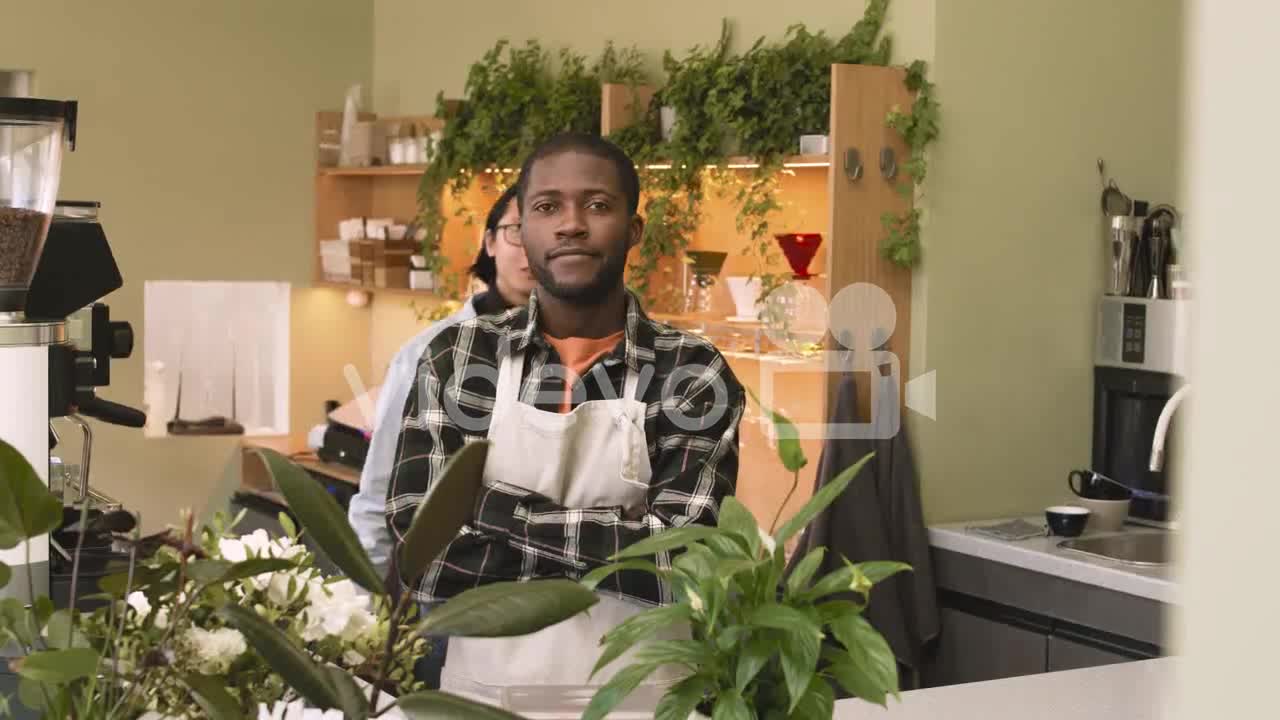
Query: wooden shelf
pixel 375 171
pixel 733 163
pixel 378 290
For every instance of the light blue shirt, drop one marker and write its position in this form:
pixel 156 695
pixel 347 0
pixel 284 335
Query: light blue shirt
pixel 368 508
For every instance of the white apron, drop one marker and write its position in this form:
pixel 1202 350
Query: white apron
pixel 595 455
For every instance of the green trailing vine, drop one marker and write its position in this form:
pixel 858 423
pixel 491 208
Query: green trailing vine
pixel 514 97
pixel 918 128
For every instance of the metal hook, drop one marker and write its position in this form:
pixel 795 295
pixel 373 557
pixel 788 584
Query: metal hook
pixel 852 164
pixel 888 163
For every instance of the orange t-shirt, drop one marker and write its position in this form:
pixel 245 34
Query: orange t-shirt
pixel 577 354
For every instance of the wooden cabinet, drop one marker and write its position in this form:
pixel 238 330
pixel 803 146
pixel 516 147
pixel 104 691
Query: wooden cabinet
pixel 973 648
pixel 1001 621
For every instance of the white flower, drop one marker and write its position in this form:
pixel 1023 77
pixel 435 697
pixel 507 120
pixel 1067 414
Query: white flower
pixel 353 658
pixel 767 540
pixel 215 650
pixel 162 618
pixel 139 603
pixel 336 609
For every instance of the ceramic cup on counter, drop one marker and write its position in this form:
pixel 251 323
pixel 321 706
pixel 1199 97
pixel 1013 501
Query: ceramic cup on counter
pixel 1066 520
pixel 1107 500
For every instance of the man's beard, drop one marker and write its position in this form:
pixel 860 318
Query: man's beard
pixel 607 280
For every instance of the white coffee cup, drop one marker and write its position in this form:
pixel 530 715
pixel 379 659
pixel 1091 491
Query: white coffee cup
pixel 1104 515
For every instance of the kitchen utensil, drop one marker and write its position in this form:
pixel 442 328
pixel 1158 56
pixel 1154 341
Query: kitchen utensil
pixel 1066 520
pixel 1159 232
pixel 799 249
pixel 1105 515
pixel 1089 484
pixel 1114 202
pixel 745 291
pixel 1124 238
pixel 702 267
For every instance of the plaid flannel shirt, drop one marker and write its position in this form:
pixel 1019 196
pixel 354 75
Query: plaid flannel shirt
pixel 693 408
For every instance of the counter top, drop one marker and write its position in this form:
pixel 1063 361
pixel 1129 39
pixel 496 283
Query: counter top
pixel 1042 554
pixel 1127 691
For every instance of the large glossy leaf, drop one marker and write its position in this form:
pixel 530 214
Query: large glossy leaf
pixel 6 574
pixel 638 627
pixel 508 609
pixel 667 540
pixel 61 633
pixel 323 519
pixel 879 570
pixel 737 519
pixel 680 701
pixel 58 667
pixel 675 652
pixel 616 690
pixel 731 706
pixel 351 699
pixel 593 579
pixel 800 644
pixel 19 621
pixel 449 506
pixel 788 438
pixel 838 580
pixel 298 669
pixel 819 502
pixel 34 695
pixel 432 705
pixel 832 610
pixel 207 571
pixel 819 701
pixel 872 671
pixel 805 570
pixel 210 693
pixel 727 546
pixel 27 508
pixel 752 658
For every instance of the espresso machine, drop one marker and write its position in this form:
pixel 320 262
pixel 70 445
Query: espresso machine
pixel 1140 366
pixel 56 340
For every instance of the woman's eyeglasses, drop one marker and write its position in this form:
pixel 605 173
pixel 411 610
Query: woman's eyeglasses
pixel 510 233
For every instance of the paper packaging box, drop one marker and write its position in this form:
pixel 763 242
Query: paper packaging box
pixel 391 277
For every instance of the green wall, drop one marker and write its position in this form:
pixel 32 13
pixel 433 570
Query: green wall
pixel 1032 94
pixel 196 134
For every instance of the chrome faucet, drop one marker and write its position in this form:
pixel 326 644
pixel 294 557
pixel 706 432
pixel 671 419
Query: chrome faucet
pixel 1162 428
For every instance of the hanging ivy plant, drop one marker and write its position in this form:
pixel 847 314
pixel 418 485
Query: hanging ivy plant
pixel 749 96
pixel 513 100
pixel 674 191
pixel 918 128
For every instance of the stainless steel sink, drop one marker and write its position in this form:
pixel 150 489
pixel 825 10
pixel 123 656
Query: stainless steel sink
pixel 1150 549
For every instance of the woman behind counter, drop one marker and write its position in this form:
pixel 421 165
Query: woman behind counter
pixel 502 267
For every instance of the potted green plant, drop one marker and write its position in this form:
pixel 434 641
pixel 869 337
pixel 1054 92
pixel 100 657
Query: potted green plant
pixel 183 626
pixel 755 649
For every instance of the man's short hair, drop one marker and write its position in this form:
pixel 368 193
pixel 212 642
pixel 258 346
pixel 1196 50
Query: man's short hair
pixel 591 145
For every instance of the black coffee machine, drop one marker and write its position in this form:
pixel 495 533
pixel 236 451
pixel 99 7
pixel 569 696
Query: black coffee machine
pixel 1138 366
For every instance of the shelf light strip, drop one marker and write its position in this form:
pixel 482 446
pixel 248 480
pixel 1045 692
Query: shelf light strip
pixel 749 166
